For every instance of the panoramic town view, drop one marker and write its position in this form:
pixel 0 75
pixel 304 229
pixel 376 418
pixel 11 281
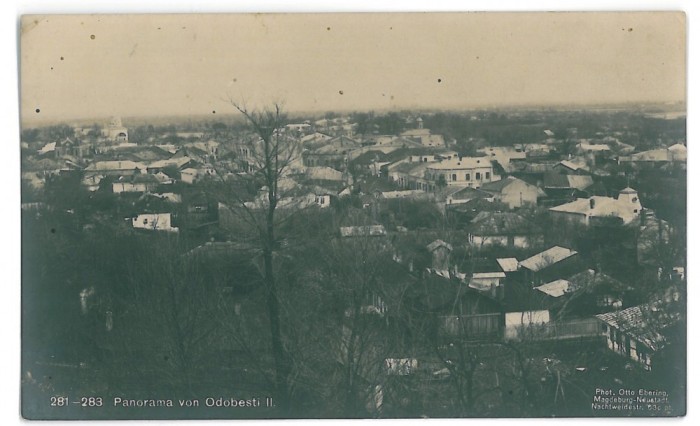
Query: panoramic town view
pixel 273 260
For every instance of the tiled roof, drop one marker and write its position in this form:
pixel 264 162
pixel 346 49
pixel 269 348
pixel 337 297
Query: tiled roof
pixel 547 258
pixel 643 323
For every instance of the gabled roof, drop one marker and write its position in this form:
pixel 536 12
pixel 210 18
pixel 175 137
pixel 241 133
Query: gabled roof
pixel 643 323
pixel 139 178
pixel 413 169
pixel 660 154
pixel 500 223
pixel 679 147
pixel 500 185
pixel 497 186
pixel 556 180
pixel 547 258
pixel 590 279
pixel 461 192
pixel 573 165
pixel 597 206
pixel 438 243
pixel 175 161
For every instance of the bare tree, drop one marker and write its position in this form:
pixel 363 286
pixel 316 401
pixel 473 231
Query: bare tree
pixel 268 157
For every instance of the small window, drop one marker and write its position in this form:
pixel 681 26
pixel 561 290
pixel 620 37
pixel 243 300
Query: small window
pixel 468 177
pixel 635 210
pixel 145 221
pixel 478 176
pixel 454 177
pixel 488 175
pixel 634 200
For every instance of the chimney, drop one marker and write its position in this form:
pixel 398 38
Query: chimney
pixel 592 202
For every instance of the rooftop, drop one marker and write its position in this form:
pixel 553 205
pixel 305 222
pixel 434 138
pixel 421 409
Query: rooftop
pixel 597 206
pixel 547 258
pixel 439 243
pixel 643 323
pixel 500 223
pixel 463 163
pixel 508 264
pixel 556 288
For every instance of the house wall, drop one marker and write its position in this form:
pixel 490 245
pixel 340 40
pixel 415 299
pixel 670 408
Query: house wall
pixel 187 177
pixel 464 176
pixel 518 194
pixel 323 201
pixel 489 240
pixel 119 187
pixel 519 241
pixel 523 241
pixel 485 283
pixel 628 347
pixel 570 217
pixel 516 321
pixel 153 221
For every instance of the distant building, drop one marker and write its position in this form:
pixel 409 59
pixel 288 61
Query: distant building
pixel 362 231
pixel 467 171
pixel 138 183
pixel 640 332
pixel 115 131
pixel 513 192
pixel 598 210
pixel 153 222
pixel 423 135
pixel 115 168
pixel 440 251
pixel 503 229
pixel 548 265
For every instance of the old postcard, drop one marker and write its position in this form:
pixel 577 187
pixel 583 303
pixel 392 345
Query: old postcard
pixel 353 215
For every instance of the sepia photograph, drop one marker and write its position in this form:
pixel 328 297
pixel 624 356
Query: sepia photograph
pixel 353 215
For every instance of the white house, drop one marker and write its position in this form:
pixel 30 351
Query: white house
pixel 189 175
pixel 153 222
pixel 586 210
pixel 467 171
pixel 514 192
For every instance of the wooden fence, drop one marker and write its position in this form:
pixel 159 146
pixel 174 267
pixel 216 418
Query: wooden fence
pixel 587 327
pixel 473 326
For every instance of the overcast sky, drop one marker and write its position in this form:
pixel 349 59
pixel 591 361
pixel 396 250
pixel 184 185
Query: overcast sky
pixel 84 66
